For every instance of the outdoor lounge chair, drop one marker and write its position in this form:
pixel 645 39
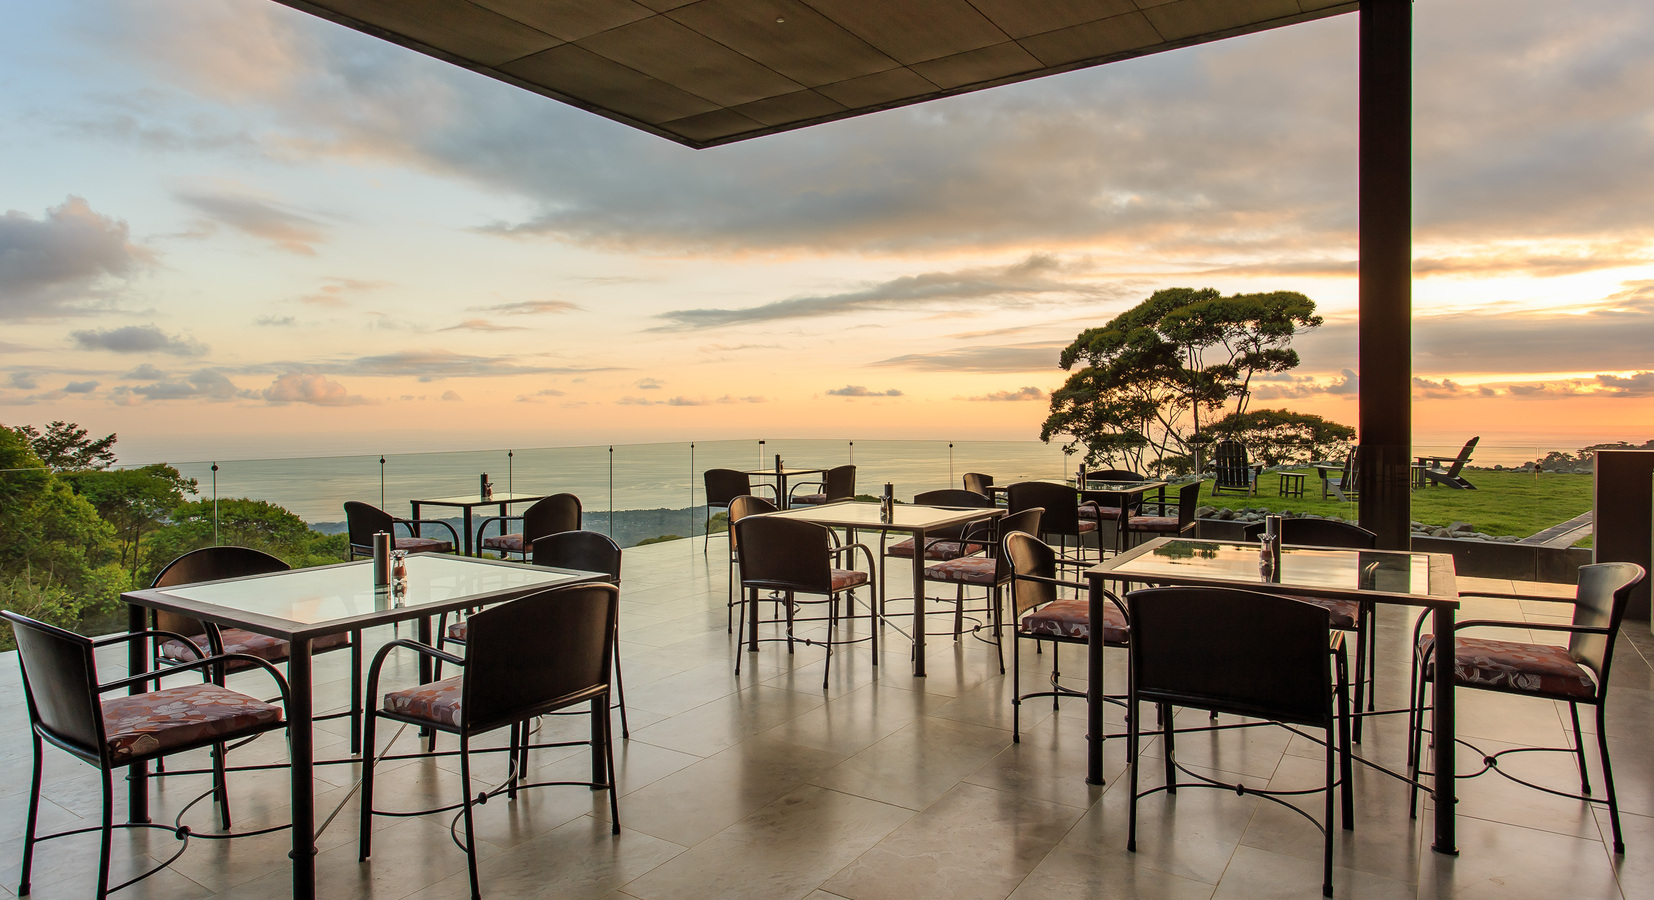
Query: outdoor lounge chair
pixel 1431 467
pixel 1234 471
pixel 1341 483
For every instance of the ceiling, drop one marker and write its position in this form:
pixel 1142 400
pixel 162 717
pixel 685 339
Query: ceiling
pixel 710 72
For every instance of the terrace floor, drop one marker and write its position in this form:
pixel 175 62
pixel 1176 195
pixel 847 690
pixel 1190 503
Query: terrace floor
pixel 885 786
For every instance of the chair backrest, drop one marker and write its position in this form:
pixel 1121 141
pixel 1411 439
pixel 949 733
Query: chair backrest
pixel 724 485
pixel 364 520
pixel 1113 475
pixel 1232 651
pixel 1320 533
pixel 1599 602
pixel 784 554
pixel 1464 457
pixel 209 564
pixel 1060 502
pixel 538 653
pixel 743 506
pixel 1029 556
pixel 840 483
pixel 978 483
pixel 953 497
pixel 60 679
pixel 550 515
pixel 588 551
pixel 1352 471
pixel 1188 500
pixel 1230 464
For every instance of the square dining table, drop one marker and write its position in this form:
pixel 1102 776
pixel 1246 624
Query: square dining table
pixel 908 519
pixel 782 476
pixel 301 605
pixel 1396 577
pixel 468 502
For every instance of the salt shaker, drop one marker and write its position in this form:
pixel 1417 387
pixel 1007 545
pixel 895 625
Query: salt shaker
pixel 399 574
pixel 887 503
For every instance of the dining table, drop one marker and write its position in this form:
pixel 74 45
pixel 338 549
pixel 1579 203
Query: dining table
pixel 906 518
pixel 468 502
pixel 300 606
pixel 783 474
pixel 1392 577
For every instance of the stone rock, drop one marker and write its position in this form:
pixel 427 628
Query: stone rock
pixel 1458 528
pixel 1439 532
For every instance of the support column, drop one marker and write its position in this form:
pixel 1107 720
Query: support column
pixel 1385 334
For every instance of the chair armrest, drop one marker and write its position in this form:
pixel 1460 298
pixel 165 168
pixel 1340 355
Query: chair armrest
pixel 1534 626
pixel 872 569
pixel 414 532
pixel 145 677
pixel 1040 579
pixel 1513 596
pixel 415 646
pixel 793 490
pixel 125 636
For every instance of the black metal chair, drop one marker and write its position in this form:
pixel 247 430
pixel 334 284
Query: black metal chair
pixel 1346 615
pixel 1062 517
pixel 722 486
pixel 1233 470
pixel 838 484
pixel 1182 524
pixel 1574 674
pixel 793 558
pixel 1247 654
pixel 992 572
pixel 548 515
pixel 364 520
pixel 739 508
pixel 68 711
pixel 1040 615
pixel 978 483
pixel 945 543
pixel 535 655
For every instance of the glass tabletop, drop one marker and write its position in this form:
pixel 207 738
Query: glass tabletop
pixel 330 593
pixel 788 471
pixel 1335 570
pixel 477 500
pixel 908 516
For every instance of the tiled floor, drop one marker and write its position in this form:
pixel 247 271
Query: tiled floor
pixel 884 786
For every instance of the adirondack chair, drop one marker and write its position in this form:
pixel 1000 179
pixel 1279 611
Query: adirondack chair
pixel 1234 471
pixel 1341 481
pixel 1444 470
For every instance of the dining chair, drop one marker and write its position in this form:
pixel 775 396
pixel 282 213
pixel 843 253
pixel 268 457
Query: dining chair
pixel 538 654
pixel 67 709
pixel 799 558
pixel 1575 673
pixel 548 515
pixel 838 484
pixel 944 543
pixel 992 572
pixel 364 520
pixel 739 508
pixel 1180 525
pixel 1062 504
pixel 978 483
pixel 722 486
pixel 1246 654
pixel 1041 615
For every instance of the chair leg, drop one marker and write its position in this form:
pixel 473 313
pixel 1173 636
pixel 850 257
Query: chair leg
pixel 1167 729
pixel 29 826
pixel 470 826
pixel 614 780
pixel 1056 695
pixel 1016 689
pixel 364 837
pixel 1608 779
pixel 1346 771
pixel 106 834
pixel 832 626
pixel 997 598
pixel 513 772
pixel 620 688
pixel 1132 720
pixel 221 785
pixel 356 692
pixel 1579 749
pixel 1326 849
pixel 1360 671
pixel 1415 753
pixel 958 613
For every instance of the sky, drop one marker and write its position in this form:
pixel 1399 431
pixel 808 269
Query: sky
pixel 231 229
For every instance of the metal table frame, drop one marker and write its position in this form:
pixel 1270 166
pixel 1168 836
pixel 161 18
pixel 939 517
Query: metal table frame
pixel 781 476
pixel 1442 601
pixel 468 503
pixel 299 635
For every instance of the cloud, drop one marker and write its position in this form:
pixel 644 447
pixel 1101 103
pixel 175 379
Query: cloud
pixel 145 372
pixel 24 381
pixel 1038 356
pixel 276 321
pixel 529 307
pixel 80 387
pixel 856 390
pixel 535 397
pixel 262 219
pixel 686 401
pixel 1024 393
pixel 314 389
pixel 630 400
pixel 1640 384
pixel 482 325
pixel 68 262
pixel 335 293
pixel 1287 386
pixel 650 384
pixel 203 384
pixel 731 399
pixel 451 395
pixel 1039 276
pixel 432 365
pixel 634 400
pixel 138 339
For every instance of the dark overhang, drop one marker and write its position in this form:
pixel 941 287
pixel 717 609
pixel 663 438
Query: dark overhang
pixel 710 72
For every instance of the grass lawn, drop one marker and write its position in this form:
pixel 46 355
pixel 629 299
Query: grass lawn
pixel 1503 502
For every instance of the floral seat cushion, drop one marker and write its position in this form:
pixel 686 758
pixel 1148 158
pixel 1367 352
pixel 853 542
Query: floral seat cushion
pixel 844 579
pixel 424 545
pixel 510 543
pixel 435 702
pixel 1087 526
pixel 965 570
pixel 1107 512
pixel 147 725
pixel 1342 614
pixel 1070 619
pixel 934 549
pixel 808 500
pixel 1543 669
pixel 236 640
pixel 459 630
pixel 1156 524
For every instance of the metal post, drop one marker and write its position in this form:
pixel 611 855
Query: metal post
pixel 510 470
pixel 692 489
pixel 760 454
pixel 382 482
pixel 950 464
pixel 215 504
pixel 612 492
pixel 1384 330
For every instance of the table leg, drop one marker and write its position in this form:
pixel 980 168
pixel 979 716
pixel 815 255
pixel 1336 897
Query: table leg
pixel 1446 732
pixel 465 536
pixel 1093 686
pixel 300 723
pixel 919 603
pixel 780 491
pixel 137 660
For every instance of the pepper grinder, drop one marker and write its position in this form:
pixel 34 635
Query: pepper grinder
pixel 1271 551
pixel 381 559
pixel 487 487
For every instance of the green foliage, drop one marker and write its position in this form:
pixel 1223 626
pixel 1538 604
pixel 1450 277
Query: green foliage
pixel 242 522
pixel 48 535
pixel 718 524
pixel 135 501
pixel 66 447
pixel 1277 437
pixel 661 539
pixel 1150 373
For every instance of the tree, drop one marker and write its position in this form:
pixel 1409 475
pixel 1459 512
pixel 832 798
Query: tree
pixel 245 523
pixel 1278 437
pixel 66 447
pixel 1153 371
pixel 133 500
